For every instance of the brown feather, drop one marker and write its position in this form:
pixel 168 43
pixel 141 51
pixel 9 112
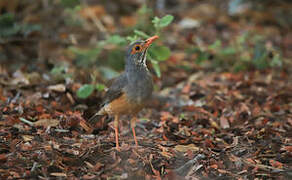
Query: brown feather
pixel 121 106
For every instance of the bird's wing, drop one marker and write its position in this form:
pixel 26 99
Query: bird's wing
pixel 115 90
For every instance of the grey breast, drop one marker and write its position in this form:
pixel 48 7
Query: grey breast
pixel 140 86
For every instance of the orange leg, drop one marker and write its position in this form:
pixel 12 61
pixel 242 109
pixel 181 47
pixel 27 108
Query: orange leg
pixel 116 124
pixel 133 124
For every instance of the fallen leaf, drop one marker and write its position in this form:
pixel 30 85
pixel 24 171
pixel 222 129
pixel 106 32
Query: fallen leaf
pixel 224 122
pixel 189 23
pixel 214 166
pixel 165 116
pixel 47 122
pixel 95 11
pixel 57 88
pixel 27 138
pixel 185 148
pixel 186 89
pixel 3 157
pixel 287 148
pixel 128 21
pixel 276 164
pixel 97 166
pixel 58 174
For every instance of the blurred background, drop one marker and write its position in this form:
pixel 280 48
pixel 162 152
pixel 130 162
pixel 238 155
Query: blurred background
pixel 58 36
pixel 222 72
pixel 81 43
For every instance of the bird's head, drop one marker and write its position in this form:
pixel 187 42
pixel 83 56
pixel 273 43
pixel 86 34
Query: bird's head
pixel 136 54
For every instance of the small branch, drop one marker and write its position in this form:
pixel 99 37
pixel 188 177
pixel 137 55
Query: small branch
pixel 96 21
pixel 26 121
pixel 263 167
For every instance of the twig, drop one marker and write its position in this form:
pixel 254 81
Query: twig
pixel 263 167
pixel 26 121
pixel 34 166
pixel 62 130
pixel 96 22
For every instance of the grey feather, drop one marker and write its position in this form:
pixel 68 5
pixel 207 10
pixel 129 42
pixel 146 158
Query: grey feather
pixel 116 89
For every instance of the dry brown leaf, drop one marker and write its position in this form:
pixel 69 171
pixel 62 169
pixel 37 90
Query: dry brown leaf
pixel 224 122
pixel 92 11
pixel 128 21
pixel 164 115
pixel 3 157
pixel 84 125
pixel 186 89
pixel 47 122
pixel 185 148
pixel 58 174
pixel 276 164
pixel 214 166
pixel 57 88
pixel 287 148
pixel 27 138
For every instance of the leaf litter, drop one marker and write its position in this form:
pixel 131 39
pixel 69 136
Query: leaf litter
pixel 201 124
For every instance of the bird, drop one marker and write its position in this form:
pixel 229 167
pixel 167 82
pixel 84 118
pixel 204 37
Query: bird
pixel 129 91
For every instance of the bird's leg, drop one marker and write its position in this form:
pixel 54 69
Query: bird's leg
pixel 116 125
pixel 133 125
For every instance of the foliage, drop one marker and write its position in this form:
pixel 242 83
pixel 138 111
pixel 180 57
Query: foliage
pixel 206 121
pixel 85 91
pixel 115 56
pixel 163 22
pixel 115 59
pixel 9 26
pixel 60 73
pixel 244 52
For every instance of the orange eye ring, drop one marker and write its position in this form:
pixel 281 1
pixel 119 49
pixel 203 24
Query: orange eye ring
pixel 137 48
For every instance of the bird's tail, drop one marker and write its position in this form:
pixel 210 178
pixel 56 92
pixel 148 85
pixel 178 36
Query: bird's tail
pixel 93 119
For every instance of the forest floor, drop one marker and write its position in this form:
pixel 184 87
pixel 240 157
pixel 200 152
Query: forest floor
pixel 207 120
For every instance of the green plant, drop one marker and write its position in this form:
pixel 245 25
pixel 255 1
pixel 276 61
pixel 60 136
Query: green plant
pixel 60 73
pixel 243 52
pixel 160 23
pixel 156 53
pixel 9 26
pixel 87 57
pixel 87 89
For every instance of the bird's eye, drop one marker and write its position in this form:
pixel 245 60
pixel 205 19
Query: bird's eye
pixel 137 48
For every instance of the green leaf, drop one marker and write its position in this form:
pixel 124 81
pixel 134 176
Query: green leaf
pixel 202 56
pixel 156 68
pixel 159 53
pixel 156 21
pixel 141 33
pixel 100 87
pixel 8 25
pixel 132 38
pixel 259 56
pixel 85 57
pixel 58 70
pixel 6 20
pixel 144 10
pixel 26 29
pixel 276 61
pixel 228 51
pixel 85 91
pixel 215 45
pixel 166 20
pixel 116 39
